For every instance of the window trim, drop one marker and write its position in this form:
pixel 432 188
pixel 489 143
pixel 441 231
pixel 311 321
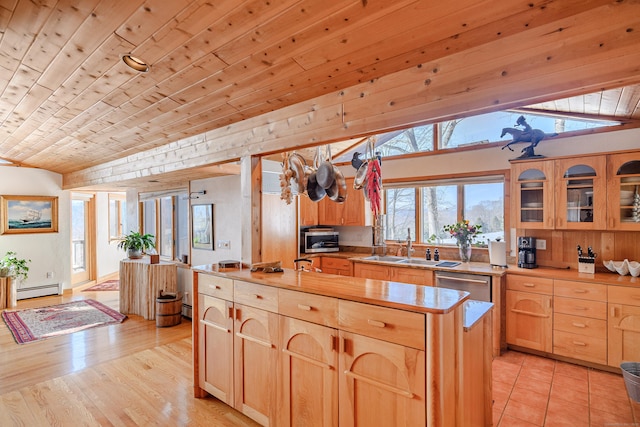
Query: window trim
pixel 119 199
pixel 485 177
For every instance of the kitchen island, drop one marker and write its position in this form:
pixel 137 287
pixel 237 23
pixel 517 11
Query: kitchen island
pixel 304 348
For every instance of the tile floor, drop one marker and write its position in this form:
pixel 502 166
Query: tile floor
pixel 530 390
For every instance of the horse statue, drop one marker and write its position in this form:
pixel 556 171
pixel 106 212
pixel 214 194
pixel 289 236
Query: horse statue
pixel 534 136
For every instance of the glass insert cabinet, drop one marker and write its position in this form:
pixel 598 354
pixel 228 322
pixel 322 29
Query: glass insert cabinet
pixel 533 194
pixel 581 187
pixel 623 191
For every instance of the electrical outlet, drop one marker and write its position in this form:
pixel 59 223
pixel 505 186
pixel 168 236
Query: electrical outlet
pixel 541 244
pixel 49 274
pixel 224 244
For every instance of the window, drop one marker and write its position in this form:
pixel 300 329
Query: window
pixel 425 208
pixel 117 216
pixel 469 131
pixel 167 218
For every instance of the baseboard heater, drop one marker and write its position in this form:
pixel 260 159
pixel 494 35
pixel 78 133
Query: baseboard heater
pixel 39 291
pixel 186 311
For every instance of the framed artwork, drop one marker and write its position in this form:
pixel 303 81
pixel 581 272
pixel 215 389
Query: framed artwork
pixel 202 226
pixel 28 214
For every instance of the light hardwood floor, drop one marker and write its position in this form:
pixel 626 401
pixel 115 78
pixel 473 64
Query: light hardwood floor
pixel 131 374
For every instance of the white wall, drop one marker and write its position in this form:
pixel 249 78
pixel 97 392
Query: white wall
pixel 108 254
pixel 48 252
pixel 224 193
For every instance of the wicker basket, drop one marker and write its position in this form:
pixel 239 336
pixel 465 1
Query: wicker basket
pixel 631 374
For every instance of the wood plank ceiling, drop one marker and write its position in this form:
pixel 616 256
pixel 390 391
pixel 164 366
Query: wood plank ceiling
pixel 227 75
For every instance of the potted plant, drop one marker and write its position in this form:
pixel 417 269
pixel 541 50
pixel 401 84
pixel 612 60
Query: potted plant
pixel 136 243
pixel 12 266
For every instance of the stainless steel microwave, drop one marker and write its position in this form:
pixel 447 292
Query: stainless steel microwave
pixel 321 241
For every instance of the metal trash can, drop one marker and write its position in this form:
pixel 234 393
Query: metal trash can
pixel 631 375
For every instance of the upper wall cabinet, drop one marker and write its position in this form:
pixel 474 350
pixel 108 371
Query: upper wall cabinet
pixel 533 190
pixel 623 191
pixel 580 185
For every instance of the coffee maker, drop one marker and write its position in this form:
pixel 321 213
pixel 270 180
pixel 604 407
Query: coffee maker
pixel 527 252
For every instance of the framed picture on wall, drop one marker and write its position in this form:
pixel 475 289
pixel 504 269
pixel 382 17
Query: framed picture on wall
pixel 202 226
pixel 28 214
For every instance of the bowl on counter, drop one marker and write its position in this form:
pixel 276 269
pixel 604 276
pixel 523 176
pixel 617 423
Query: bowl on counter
pixel 623 267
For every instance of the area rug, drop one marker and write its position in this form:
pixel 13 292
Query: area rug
pixel 35 324
pixel 109 285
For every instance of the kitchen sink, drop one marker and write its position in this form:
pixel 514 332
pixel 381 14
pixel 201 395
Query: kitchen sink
pixel 386 258
pixel 418 261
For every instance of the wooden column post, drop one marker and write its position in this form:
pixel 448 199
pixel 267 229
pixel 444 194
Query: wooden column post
pixel 250 187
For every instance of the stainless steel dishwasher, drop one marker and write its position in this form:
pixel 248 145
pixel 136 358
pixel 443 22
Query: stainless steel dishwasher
pixel 479 286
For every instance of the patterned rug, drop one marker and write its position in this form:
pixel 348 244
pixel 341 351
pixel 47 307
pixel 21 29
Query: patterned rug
pixel 109 285
pixel 35 324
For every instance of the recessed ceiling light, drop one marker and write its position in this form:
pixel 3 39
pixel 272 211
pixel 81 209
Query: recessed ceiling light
pixel 135 63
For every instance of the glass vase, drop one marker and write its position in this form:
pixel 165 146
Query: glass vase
pixel 465 252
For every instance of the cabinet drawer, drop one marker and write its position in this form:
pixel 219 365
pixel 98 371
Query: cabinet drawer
pixel 582 290
pixel 624 295
pixel 580 307
pixel 312 308
pixel 579 325
pixel 339 263
pixel 537 285
pixel 254 295
pixel 215 286
pixel 388 324
pixel 581 347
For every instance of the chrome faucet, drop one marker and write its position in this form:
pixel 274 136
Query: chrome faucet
pixel 410 249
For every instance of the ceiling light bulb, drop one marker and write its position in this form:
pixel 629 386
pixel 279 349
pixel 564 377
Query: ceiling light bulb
pixel 135 63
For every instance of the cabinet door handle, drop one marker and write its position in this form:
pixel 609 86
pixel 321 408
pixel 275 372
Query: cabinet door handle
pixel 529 285
pixel 334 343
pixel 258 296
pixel 580 343
pixel 580 291
pixel 579 325
pixel 376 323
pixel 378 384
pixel 214 326
pixel 613 311
pixel 254 340
pixel 307 359
pixel 529 313
pixel 238 314
pixel 580 308
pixel 304 307
pixel 230 313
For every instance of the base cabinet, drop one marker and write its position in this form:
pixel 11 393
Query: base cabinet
pixel 309 386
pixel 381 383
pixel 216 347
pixel 255 363
pixel 529 320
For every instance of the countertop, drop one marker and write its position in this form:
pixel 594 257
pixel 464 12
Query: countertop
pixel 484 268
pixel 423 299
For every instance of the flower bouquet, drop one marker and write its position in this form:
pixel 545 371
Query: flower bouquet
pixel 465 234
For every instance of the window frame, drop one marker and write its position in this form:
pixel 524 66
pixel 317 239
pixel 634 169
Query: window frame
pixel 470 178
pixel 157 232
pixel 120 201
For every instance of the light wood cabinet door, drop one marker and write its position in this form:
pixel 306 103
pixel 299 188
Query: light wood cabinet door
pixel 308 211
pixel 381 384
pixel 371 271
pixel 340 266
pixel 624 334
pixel 581 191
pixel 216 347
pixel 353 211
pixel 623 183
pixel 309 359
pixel 533 194
pixel 256 363
pixel 416 276
pixel 529 320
